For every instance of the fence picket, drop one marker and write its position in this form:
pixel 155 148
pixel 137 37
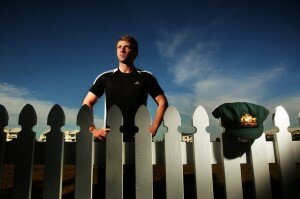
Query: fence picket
pixel 296 146
pixel 202 145
pixel 173 159
pixel 232 170
pixel 54 154
pixel 25 153
pixel 260 168
pixel 172 153
pixel 284 154
pixel 3 123
pixel 114 159
pixel 84 155
pixel 143 155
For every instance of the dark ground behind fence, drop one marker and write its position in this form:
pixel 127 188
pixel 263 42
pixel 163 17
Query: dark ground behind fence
pixel 158 177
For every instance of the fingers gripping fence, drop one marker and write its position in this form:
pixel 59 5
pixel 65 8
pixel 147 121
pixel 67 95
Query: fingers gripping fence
pixel 25 151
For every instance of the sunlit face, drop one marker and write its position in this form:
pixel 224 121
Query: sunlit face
pixel 125 52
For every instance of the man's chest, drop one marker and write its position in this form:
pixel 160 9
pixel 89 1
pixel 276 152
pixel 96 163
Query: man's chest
pixel 128 84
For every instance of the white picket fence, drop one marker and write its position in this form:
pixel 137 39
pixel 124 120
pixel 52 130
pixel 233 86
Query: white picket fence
pixel 144 153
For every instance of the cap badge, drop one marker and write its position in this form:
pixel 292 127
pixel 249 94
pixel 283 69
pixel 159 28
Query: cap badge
pixel 248 121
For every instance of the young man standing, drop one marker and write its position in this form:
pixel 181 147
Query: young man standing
pixel 128 88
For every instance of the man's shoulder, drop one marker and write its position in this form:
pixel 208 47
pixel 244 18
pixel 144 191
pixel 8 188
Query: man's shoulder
pixel 106 74
pixel 145 73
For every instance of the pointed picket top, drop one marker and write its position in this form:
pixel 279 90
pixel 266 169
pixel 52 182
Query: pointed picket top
pixel 3 123
pixel 84 154
pixel 172 119
pixel 3 117
pixel 281 119
pixel 114 154
pixel 142 116
pixel 27 118
pixel 54 153
pixel 114 118
pixel 284 154
pixel 24 158
pixel 56 117
pixel 173 156
pixel 143 155
pixel 203 174
pixel 85 117
pixel 200 119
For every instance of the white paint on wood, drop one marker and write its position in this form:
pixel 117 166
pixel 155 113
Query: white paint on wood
pixel 143 155
pixel 173 159
pixel 285 154
pixel 173 153
pixel 54 154
pixel 84 155
pixel 260 168
pixel 202 145
pixel 232 174
pixel 3 123
pixel 25 154
pixel 114 151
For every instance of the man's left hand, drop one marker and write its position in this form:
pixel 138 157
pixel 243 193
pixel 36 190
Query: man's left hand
pixel 153 130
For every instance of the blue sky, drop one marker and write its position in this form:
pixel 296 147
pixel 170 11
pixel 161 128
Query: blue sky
pixel 204 53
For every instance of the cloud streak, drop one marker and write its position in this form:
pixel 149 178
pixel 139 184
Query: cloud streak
pixel 220 88
pixel 14 98
pixel 193 65
pixel 197 69
pixel 186 65
pixel 170 44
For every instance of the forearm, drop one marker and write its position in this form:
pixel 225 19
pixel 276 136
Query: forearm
pixel 88 103
pixel 90 99
pixel 160 111
pixel 159 115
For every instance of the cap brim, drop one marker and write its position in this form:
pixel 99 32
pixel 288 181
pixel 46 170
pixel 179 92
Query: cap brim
pixel 246 133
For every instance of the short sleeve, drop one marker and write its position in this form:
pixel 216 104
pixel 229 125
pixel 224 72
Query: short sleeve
pixel 98 87
pixel 154 88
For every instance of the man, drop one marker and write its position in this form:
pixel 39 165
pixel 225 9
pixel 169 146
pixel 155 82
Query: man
pixel 128 88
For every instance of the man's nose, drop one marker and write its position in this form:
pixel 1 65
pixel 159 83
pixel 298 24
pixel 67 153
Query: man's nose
pixel 123 49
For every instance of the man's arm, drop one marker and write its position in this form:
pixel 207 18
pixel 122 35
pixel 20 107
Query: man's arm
pixel 90 100
pixel 162 103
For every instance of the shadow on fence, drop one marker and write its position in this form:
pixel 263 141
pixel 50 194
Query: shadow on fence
pixel 168 169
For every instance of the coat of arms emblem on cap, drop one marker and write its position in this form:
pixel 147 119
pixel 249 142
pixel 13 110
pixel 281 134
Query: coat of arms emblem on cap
pixel 248 120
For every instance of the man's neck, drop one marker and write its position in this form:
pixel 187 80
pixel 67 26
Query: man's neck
pixel 125 68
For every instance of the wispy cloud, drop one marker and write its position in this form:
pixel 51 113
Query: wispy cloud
pixel 192 65
pixel 14 98
pixel 211 85
pixel 187 60
pixel 183 102
pixel 219 88
pixel 8 89
pixel 170 44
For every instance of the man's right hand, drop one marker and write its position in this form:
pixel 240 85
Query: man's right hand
pixel 100 133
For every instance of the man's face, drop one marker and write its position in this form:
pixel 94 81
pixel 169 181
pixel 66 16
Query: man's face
pixel 125 52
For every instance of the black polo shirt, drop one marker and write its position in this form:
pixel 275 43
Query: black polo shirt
pixel 128 91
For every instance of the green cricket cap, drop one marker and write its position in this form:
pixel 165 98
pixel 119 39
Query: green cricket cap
pixel 242 119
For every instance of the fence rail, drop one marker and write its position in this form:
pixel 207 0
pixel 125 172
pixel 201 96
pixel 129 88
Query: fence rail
pixel 25 151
